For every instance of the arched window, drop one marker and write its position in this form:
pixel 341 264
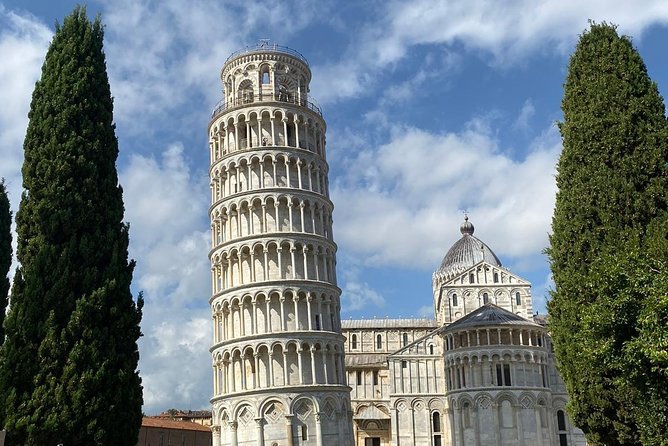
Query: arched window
pixel 471 278
pixel 496 277
pixel 436 421
pixel 561 426
pixel 405 339
pixel 507 419
pixel 466 409
pixel 518 299
pixel 379 342
pixel 431 349
pixel 245 93
pixel 265 77
pixel 561 420
pixel 353 341
pixel 485 298
pixel 454 300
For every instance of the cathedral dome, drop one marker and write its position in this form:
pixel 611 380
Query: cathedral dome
pixel 466 252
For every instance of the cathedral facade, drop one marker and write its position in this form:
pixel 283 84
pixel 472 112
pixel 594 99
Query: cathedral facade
pixel 481 373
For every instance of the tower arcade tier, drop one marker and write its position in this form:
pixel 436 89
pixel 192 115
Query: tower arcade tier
pixel 278 356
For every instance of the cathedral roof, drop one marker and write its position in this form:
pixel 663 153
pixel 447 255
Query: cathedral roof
pixel 489 315
pixel 466 252
pixel 349 324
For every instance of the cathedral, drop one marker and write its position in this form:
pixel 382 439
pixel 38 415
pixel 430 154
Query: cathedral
pixel 286 370
pixel 481 373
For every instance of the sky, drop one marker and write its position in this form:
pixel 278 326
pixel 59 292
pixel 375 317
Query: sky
pixel 433 108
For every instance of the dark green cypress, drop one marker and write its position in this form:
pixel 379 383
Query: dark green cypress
pixel 612 186
pixel 5 253
pixel 68 368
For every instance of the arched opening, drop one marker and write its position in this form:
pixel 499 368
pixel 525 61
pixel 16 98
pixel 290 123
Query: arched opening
pixel 245 93
pixel 454 300
pixel 353 341
pixel 561 426
pixel 436 421
pixel 379 342
pixel 436 428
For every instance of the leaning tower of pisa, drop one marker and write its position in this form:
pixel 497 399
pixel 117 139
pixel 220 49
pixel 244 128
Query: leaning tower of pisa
pixel 278 361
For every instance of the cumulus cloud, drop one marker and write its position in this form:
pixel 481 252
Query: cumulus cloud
pixel 23 43
pixel 164 54
pixel 503 32
pixel 356 294
pixel 399 204
pixel 526 113
pixel 166 206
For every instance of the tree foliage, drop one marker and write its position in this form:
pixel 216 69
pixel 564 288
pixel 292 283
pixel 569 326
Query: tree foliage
pixel 608 249
pixel 68 368
pixel 5 253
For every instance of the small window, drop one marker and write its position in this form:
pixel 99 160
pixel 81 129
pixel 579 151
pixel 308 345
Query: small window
pixel 353 341
pixel 485 298
pixel 467 415
pixel 436 421
pixel 317 322
pixel 499 375
pixel 265 77
pixel 506 375
pixel 405 339
pixel 561 425
pixel 518 299
pixel 431 349
pixel 375 377
pixel 496 277
pixel 403 364
pixel 379 342
pixel 304 432
pixel 471 278
pixel 454 300
pixel 561 420
pixel 359 378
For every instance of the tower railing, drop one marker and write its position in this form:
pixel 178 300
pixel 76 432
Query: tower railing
pixel 267 46
pixel 224 105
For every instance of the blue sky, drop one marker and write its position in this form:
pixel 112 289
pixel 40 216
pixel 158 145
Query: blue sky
pixel 432 107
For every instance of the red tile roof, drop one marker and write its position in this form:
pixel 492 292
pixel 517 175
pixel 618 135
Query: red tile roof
pixel 171 424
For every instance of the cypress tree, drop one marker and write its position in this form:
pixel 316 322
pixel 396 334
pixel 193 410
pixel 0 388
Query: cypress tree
pixel 5 253
pixel 68 368
pixel 612 199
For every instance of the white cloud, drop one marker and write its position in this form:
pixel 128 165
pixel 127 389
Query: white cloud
pixel 166 206
pixel 504 33
pixel 399 204
pixel 164 54
pixel 356 294
pixel 23 44
pixel 426 311
pixel 526 113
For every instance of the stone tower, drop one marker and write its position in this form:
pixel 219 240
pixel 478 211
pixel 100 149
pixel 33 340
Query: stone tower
pixel 278 356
